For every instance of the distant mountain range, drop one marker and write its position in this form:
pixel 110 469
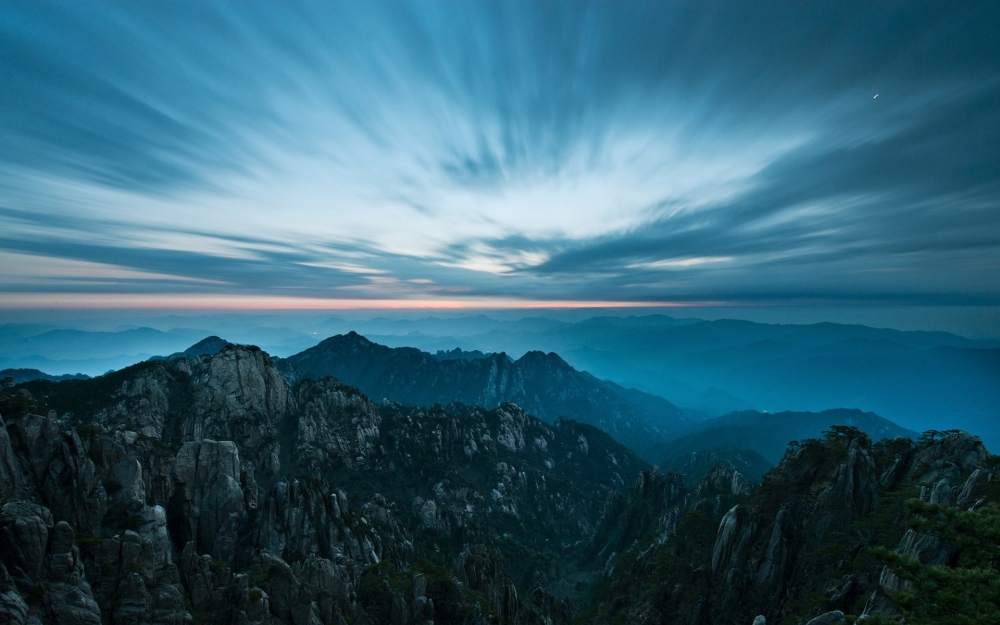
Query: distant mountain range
pixel 18 376
pixel 543 384
pixel 920 380
pixel 767 434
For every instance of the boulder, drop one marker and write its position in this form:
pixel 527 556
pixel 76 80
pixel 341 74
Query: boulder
pixel 24 540
pixel 830 618
pixel 126 475
pixel 972 489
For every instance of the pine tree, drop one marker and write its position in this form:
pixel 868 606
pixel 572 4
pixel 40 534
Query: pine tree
pixel 968 591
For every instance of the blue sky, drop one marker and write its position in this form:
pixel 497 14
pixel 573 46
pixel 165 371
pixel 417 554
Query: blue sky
pixel 499 153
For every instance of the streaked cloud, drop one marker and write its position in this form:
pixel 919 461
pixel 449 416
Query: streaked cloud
pixel 501 151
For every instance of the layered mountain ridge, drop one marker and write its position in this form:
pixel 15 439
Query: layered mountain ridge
pixel 769 434
pixel 211 487
pixel 916 379
pixel 164 480
pixel 543 384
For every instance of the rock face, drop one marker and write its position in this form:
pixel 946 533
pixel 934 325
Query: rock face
pixel 543 384
pixel 208 505
pixel 238 395
pixel 40 557
pixel 202 487
pixel 947 457
pixel 337 427
pixel 625 520
pixel 852 494
pixel 793 549
pixel 758 555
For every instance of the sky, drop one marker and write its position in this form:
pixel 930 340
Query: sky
pixel 479 154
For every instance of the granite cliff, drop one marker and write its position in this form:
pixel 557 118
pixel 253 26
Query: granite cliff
pixel 204 488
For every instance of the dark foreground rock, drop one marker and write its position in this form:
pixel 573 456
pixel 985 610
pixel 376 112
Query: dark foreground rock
pixel 203 488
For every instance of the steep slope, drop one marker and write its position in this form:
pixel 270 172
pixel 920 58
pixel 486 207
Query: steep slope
pixel 769 434
pixel 206 488
pixel 543 384
pixel 804 545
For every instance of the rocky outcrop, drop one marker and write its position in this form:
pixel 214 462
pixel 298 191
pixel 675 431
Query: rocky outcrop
pixel 208 506
pixel 13 481
pixel 151 477
pixel 239 395
pixel 759 553
pixel 137 583
pixel 625 520
pixel 970 494
pixel 481 571
pixel 41 568
pixel 64 476
pixel 852 494
pixel 943 460
pixel 234 394
pixel 298 521
pixel 141 400
pixel 947 456
pixel 337 427
pixel 723 479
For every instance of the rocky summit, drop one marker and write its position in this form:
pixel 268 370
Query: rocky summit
pixel 214 487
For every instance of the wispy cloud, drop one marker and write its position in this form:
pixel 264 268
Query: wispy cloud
pixel 517 151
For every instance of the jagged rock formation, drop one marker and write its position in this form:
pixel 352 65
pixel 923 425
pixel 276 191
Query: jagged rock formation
pixel 625 520
pixel 41 558
pixel 797 548
pixel 543 384
pixel 203 487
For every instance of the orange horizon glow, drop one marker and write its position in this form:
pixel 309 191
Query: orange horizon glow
pixel 96 301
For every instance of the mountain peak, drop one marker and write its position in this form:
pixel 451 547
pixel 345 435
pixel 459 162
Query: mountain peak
pixel 351 338
pixel 207 346
pixel 542 383
pixel 540 357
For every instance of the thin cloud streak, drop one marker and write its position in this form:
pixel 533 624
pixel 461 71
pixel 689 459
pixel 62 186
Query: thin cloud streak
pixel 102 301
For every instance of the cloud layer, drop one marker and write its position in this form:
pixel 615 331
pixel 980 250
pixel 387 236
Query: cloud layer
pixel 636 152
